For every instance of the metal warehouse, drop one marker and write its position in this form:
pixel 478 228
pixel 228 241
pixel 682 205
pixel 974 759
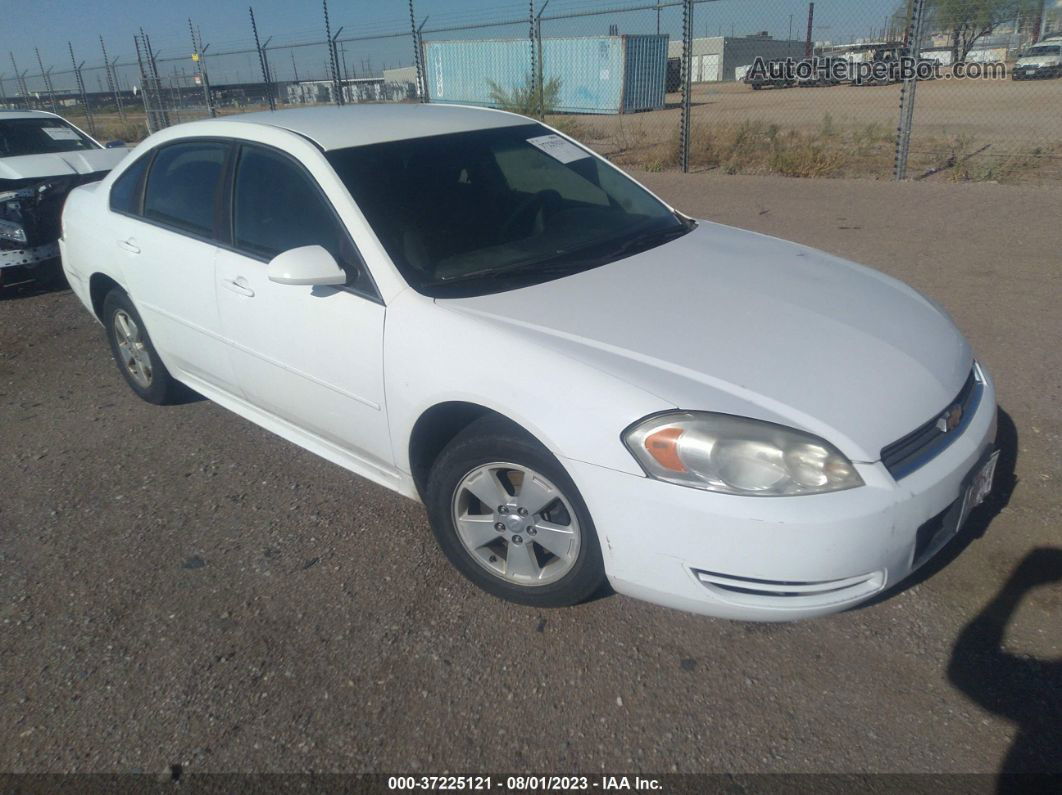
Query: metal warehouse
pixel 596 74
pixel 720 58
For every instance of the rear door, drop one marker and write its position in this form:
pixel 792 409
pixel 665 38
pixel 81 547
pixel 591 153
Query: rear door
pixel 167 239
pixel 312 356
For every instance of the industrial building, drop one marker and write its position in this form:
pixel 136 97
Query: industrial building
pixel 726 58
pixel 594 74
pixel 361 89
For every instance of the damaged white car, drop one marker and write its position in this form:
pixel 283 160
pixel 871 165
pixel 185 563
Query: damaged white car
pixel 42 158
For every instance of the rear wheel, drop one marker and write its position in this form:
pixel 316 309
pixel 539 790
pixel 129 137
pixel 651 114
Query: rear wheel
pixel 134 353
pixel 510 519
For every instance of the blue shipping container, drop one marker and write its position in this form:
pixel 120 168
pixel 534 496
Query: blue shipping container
pixel 597 74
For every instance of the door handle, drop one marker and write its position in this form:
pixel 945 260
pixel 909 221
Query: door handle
pixel 238 286
pixel 129 245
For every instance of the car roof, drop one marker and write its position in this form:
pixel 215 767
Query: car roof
pixel 26 114
pixel 334 127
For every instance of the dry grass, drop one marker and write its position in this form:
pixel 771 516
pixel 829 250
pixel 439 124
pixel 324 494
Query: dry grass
pixel 757 147
pixel 753 146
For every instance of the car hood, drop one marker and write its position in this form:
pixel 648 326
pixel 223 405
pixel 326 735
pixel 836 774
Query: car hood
pixel 727 320
pixel 88 161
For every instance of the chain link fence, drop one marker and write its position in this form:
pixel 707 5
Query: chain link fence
pixel 959 89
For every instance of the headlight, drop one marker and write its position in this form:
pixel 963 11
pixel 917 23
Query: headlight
pixel 12 231
pixel 736 455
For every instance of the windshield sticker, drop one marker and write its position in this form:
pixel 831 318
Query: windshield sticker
pixel 61 133
pixel 558 148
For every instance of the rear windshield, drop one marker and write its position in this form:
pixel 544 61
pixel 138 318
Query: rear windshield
pixel 40 136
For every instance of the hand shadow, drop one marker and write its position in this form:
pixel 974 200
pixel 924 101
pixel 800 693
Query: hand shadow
pixel 1019 688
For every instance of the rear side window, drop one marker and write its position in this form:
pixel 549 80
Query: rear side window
pixel 182 187
pixel 125 192
pixel 277 207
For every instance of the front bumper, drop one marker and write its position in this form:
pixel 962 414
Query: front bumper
pixel 780 558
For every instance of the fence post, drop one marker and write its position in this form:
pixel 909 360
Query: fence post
pixel 337 88
pixel 915 29
pixel 149 114
pixel 262 62
pixel 540 78
pixel 3 91
pixel 687 80
pixel 418 43
pixel 20 82
pixel 533 97
pixel 81 90
pixel 198 56
pixel 47 82
pixel 112 81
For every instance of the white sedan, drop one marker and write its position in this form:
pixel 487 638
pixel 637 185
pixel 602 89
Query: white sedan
pixel 581 383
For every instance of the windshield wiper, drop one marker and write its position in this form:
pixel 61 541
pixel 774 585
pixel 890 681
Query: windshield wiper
pixel 647 240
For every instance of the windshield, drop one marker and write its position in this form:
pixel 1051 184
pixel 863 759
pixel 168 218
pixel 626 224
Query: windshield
pixel 1041 51
pixel 40 136
pixel 489 210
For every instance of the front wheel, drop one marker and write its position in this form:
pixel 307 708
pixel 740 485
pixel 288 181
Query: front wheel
pixel 136 357
pixel 510 519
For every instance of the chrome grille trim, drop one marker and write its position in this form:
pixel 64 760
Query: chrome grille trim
pixel 927 441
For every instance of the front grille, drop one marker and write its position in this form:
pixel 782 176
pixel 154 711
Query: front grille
pixel 908 453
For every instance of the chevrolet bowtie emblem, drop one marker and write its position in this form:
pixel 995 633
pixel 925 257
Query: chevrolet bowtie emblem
pixel 950 419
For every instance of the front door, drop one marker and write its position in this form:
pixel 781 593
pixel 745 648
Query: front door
pixel 312 356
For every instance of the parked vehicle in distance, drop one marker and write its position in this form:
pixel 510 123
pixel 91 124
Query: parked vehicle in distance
pixel 1043 59
pixel 579 382
pixel 829 71
pixel 769 78
pixel 42 157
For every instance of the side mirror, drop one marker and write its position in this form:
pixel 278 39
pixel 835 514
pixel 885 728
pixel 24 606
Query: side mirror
pixel 114 145
pixel 306 265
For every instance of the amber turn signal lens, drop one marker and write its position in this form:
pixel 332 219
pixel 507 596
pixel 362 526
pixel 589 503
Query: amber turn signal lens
pixel 663 446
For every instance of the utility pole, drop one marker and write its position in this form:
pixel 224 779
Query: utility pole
pixel 294 68
pixel 808 44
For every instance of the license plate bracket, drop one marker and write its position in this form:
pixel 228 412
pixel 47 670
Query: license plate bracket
pixel 978 486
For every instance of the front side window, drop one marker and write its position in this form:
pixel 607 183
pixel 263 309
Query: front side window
pixel 183 186
pixel 277 207
pixel 41 135
pixel 483 211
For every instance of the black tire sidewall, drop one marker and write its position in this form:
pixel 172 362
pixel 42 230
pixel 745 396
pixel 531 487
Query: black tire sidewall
pixel 494 439
pixel 162 386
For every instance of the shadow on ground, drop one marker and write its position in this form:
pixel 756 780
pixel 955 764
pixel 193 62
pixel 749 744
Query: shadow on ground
pixel 1018 687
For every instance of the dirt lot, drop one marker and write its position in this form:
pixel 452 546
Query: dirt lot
pixel 180 587
pixel 1011 130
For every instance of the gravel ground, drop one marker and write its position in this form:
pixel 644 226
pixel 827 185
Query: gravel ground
pixel 178 586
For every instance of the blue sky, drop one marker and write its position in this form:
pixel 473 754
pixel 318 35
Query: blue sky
pixel 225 25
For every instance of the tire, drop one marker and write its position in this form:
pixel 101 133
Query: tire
pixel 134 354
pixel 493 453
